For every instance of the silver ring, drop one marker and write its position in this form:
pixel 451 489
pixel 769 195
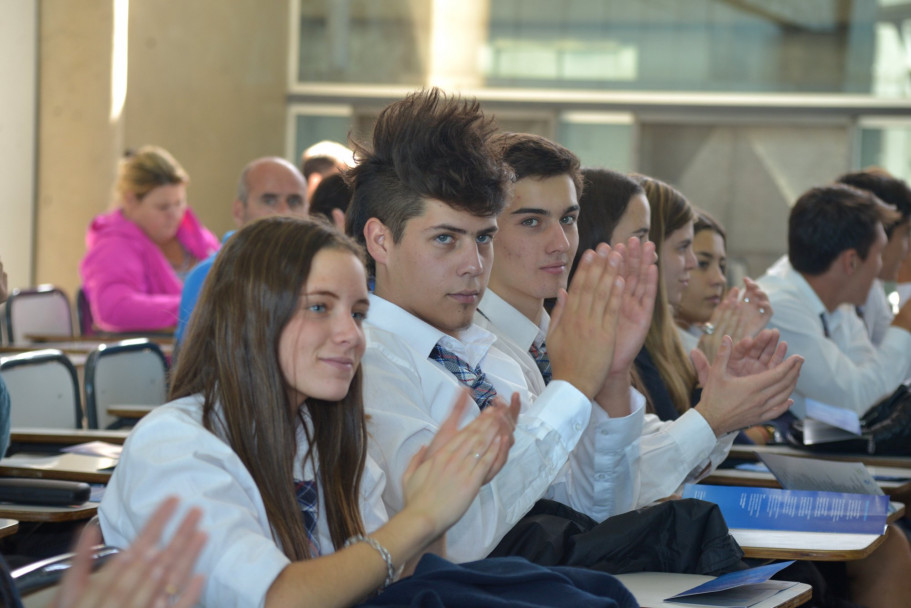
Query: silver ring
pixel 708 329
pixel 477 455
pixel 746 300
pixel 761 310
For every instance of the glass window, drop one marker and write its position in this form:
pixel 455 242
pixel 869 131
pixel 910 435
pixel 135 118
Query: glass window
pixel 885 143
pixel 363 41
pixel 312 124
pixel 750 46
pixel 599 139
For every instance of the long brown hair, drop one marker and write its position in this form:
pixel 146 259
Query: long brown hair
pixel 670 211
pixel 230 357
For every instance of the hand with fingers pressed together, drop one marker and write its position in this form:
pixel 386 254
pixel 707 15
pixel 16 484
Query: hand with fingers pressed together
pixel 748 383
pixel 143 575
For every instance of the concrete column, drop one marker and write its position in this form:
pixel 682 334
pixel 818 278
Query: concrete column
pixel 79 141
pixel 458 35
pixel 208 80
pixel 18 64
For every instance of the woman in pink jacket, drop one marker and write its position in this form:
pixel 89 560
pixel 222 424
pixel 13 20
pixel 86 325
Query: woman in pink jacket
pixel 138 255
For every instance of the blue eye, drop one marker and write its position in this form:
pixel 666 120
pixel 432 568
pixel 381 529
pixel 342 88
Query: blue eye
pixel 530 222
pixel 568 220
pixel 484 239
pixel 444 239
pixel 359 316
pixel 316 308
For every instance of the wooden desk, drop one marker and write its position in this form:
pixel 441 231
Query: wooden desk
pixel 813 546
pixel 73 347
pixel 761 479
pixel 162 338
pixel 64 437
pixel 68 467
pixel 130 412
pixel 40 513
pixel 70 347
pixel 8 527
pixel 748 452
pixel 86 344
pixel 650 589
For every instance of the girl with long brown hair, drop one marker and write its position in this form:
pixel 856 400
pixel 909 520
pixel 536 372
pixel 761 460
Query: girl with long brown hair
pixel 616 207
pixel 666 369
pixel 266 434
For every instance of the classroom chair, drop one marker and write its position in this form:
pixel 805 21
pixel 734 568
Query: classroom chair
pixel 37 310
pixel 84 314
pixel 43 389
pixel 37 583
pixel 129 372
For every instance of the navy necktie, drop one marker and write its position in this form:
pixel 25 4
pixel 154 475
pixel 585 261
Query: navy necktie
pixel 307 494
pixel 543 361
pixel 472 377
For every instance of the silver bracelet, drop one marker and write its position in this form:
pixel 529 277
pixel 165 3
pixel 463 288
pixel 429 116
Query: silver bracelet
pixel 384 553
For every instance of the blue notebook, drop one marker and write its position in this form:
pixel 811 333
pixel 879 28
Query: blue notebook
pixel 798 510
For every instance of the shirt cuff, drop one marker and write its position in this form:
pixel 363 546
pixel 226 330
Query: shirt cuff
pixel 693 435
pixel 617 433
pixel 563 408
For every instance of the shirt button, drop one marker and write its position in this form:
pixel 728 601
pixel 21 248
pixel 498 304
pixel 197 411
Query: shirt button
pixel 605 432
pixel 600 476
pixel 577 426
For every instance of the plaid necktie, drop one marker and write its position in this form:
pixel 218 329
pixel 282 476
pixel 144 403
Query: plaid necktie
pixel 543 361
pixel 475 379
pixel 308 499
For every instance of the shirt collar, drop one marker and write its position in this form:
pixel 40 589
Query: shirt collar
pixel 512 323
pixel 472 345
pixel 814 304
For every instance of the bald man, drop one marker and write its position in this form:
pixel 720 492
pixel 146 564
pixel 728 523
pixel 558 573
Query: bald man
pixel 267 186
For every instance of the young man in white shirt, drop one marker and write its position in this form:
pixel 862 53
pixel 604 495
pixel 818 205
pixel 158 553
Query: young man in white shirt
pixel 535 245
pixel 426 199
pixel 835 244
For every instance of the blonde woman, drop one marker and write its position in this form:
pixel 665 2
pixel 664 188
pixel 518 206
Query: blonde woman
pixel 138 254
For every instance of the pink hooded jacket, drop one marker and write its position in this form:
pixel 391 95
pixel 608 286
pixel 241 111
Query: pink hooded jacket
pixel 127 280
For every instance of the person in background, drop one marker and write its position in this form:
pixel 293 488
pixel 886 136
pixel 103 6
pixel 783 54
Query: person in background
pixel 138 255
pixel 331 199
pixel 708 311
pixel 614 206
pixel 267 186
pixel 836 237
pixel 876 312
pixel 323 159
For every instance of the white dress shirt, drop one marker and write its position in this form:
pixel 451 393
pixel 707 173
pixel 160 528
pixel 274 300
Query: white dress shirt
pixel 877 312
pixel 689 337
pixel 845 369
pixel 170 453
pixel 671 453
pixel 564 449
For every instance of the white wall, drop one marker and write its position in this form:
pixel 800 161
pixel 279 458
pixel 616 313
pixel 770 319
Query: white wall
pixel 18 103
